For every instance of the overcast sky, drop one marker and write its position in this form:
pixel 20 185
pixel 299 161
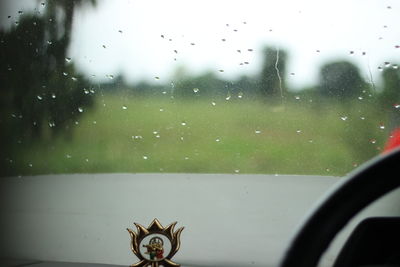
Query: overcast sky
pixel 312 32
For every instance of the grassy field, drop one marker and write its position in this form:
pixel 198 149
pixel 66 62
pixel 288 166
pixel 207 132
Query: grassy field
pixel 163 135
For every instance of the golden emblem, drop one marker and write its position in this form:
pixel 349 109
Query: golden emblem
pixel 155 245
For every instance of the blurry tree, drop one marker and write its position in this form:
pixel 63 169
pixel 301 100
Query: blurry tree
pixel 389 98
pixel 39 83
pixel 341 80
pixel 273 72
pixel 206 84
pixel 390 95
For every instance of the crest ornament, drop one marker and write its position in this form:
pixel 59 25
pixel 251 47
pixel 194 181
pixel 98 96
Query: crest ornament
pixel 155 245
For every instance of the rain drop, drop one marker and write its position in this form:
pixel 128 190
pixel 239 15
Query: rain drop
pixel 49 42
pixel 39 97
pixel 196 90
pixel 183 123
pixel 53 95
pixel 343 118
pixel 213 103
pixel 297 97
pixel 145 157
pixel 217 140
pixel 65 74
pixel 298 131
pixel 74 79
pixel 157 78
pixel 240 95
pixel 257 131
pixel 68 59
pixel 124 107
pixel 80 109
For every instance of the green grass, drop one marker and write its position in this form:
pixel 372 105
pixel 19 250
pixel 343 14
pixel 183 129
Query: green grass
pixel 293 138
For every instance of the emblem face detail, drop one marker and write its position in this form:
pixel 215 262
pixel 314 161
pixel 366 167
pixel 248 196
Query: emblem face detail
pixel 155 245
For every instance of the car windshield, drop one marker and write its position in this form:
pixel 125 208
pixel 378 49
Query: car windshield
pixel 270 87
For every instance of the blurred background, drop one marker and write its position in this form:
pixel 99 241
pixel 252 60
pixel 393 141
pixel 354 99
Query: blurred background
pixel 273 87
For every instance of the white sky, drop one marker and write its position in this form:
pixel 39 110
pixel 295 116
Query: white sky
pixel 300 27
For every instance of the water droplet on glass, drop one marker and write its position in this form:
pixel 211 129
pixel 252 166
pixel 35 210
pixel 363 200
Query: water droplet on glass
pixel 343 118
pixel 381 126
pixel 387 64
pixel 297 97
pixel 223 39
pixel 213 103
pixel 351 52
pixel 395 66
pixel 221 70
pixel 292 73
pixel 240 95
pixel 52 124
pixel 362 118
pixel 239 51
pixel 86 91
pixel 145 157
pixel 119 31
pixel 380 68
pixel 228 97
pixel 124 107
pixel 68 156
pixel 257 131
pixel 237 171
pixel 30 165
pixel 176 51
pixel 65 74
pixel 74 79
pixel 217 140
pixel 80 109
pixel 20 12
pixel 104 46
pixel 49 42
pixel 196 90
pixel 183 123
pixel 157 78
pixel 298 131
pixel 110 76
pixel 396 105
pixel 76 122
pixel 360 98
pixel 39 97
pixel 363 53
pixel 372 141
pixel 68 59
pixel 192 43
pixel 53 95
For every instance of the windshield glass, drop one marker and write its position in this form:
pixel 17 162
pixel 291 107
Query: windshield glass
pixel 272 87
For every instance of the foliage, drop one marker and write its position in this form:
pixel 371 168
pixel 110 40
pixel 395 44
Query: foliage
pixel 273 73
pixel 340 80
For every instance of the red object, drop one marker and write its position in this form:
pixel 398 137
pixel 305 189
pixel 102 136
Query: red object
pixel 393 142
